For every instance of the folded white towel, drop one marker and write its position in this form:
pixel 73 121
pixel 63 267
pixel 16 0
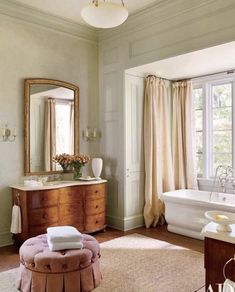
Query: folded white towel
pixel 64 239
pixel 16 220
pixel 54 246
pixel 64 234
pixel 229 286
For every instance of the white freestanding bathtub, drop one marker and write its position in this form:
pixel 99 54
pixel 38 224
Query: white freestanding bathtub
pixel 185 209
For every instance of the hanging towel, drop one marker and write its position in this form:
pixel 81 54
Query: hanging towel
pixel 16 220
pixel 229 286
pixel 54 246
pixel 64 234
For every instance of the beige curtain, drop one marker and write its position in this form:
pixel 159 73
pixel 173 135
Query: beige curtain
pixel 183 136
pixel 49 135
pixel 71 140
pixel 157 147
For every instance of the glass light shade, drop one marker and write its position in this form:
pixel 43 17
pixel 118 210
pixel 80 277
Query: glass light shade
pixel 105 15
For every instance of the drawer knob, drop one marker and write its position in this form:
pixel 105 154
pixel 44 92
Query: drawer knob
pixel 96 191
pixel 45 216
pixel 96 206
pixel 96 221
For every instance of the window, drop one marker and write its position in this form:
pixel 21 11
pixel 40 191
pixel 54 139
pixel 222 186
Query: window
pixel 63 127
pixel 222 125
pixel 213 103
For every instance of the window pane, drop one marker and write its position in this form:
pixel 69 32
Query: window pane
pixel 197 98
pixel 199 142
pixel 221 159
pixel 222 118
pixel 198 120
pixel 62 128
pixel 222 95
pixel 199 161
pixel 222 141
pixel 198 104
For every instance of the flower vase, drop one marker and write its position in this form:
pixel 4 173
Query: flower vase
pixel 65 167
pixel 97 164
pixel 77 174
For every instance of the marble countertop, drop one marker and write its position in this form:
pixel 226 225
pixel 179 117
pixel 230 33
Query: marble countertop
pixel 57 185
pixel 210 231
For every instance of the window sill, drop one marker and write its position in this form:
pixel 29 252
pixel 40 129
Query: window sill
pixel 205 180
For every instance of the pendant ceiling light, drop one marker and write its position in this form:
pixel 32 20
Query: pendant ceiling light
pixel 104 14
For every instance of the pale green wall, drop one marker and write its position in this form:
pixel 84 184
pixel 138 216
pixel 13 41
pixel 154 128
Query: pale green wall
pixel 28 51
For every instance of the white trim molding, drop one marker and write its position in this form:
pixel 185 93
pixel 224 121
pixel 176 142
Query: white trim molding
pixel 125 224
pixel 35 16
pixel 133 222
pixel 115 222
pixel 166 11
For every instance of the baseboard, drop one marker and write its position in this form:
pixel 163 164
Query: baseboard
pixel 133 222
pixel 5 239
pixel 125 224
pixel 115 222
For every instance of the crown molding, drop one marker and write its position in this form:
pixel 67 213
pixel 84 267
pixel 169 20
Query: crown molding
pixel 35 16
pixel 163 10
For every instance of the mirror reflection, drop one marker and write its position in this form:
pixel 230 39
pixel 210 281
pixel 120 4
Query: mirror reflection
pixel 51 124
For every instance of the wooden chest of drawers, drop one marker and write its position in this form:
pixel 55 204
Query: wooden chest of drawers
pixel 82 206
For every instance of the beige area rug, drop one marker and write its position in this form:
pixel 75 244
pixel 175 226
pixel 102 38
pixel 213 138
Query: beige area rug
pixel 136 263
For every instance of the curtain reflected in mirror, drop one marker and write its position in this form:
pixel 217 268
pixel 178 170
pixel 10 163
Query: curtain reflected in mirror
pixel 51 125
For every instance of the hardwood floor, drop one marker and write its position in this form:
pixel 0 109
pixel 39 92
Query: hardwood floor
pixel 9 256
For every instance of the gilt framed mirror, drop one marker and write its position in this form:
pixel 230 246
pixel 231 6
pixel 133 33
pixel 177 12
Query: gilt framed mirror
pixel 51 124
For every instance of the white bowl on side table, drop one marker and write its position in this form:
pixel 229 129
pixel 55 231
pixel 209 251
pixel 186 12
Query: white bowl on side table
pixel 223 219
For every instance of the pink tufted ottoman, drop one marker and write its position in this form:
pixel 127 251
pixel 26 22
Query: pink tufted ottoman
pixel 42 270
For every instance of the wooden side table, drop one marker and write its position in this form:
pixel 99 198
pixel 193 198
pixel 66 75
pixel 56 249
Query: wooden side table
pixel 217 253
pixel 219 247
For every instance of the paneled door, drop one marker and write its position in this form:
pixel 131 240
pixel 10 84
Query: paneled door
pixel 134 152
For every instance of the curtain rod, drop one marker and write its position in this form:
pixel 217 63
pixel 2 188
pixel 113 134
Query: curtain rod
pixel 170 80
pixel 151 75
pixel 61 99
pixel 212 74
pixel 231 71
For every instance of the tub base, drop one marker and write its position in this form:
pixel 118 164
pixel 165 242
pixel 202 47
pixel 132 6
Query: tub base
pixel 185 232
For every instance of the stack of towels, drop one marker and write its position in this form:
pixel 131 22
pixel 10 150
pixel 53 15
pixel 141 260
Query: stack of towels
pixel 64 237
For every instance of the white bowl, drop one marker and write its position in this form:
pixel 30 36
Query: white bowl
pixel 223 222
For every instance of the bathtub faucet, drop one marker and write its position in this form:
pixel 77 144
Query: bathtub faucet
pixel 223 175
pixel 233 184
pixel 223 180
pixel 230 177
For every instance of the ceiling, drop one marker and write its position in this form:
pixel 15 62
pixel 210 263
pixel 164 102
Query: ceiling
pixel 49 91
pixel 207 61
pixel 71 9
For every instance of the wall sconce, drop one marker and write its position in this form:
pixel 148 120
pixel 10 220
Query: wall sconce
pixel 8 135
pixel 91 134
